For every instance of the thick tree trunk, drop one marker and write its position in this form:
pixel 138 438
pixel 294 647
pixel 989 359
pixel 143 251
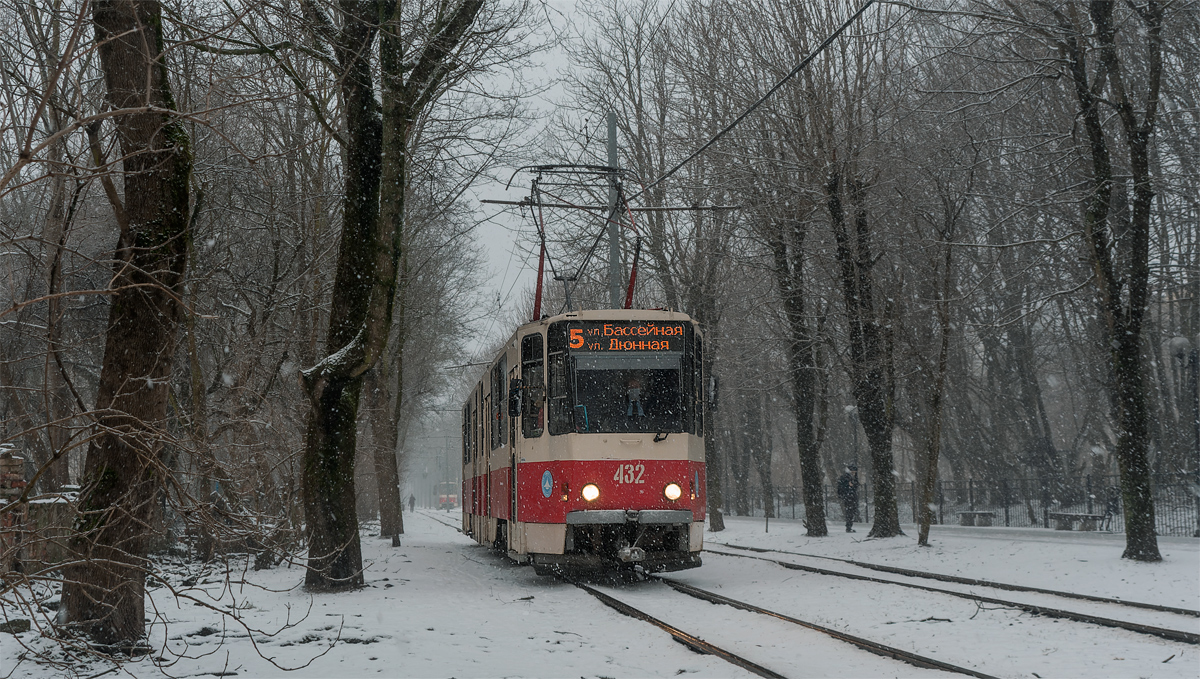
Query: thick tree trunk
pixel 928 464
pixel 365 285
pixel 713 462
pixel 741 452
pixel 801 352
pixel 335 384
pixel 104 591
pixel 334 552
pixel 760 449
pixel 1123 294
pixel 870 360
pixel 384 403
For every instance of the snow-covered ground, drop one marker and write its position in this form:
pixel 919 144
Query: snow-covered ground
pixel 441 606
pixel 1071 561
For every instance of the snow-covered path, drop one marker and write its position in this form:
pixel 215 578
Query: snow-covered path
pixel 442 606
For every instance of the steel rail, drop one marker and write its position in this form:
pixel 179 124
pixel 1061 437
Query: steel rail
pixel 1163 632
pixel 693 642
pixel 974 582
pixel 865 644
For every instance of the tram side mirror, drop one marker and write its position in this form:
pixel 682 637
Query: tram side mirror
pixel 714 385
pixel 514 397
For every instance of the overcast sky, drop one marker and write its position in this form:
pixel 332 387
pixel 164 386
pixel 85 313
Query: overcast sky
pixel 512 267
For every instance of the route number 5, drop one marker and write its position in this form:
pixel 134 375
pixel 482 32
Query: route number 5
pixel 576 338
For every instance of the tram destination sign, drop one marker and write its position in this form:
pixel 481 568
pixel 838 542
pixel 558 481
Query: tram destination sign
pixel 625 336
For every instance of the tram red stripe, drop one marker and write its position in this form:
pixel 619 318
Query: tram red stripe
pixel 534 506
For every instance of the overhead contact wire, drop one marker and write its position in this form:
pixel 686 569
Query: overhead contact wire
pixel 761 100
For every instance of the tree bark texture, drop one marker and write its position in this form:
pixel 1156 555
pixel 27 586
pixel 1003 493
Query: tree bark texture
pixel 713 462
pixel 788 265
pixel 1123 294
pixel 334 385
pixel 928 466
pixel 366 280
pixel 740 447
pixel 704 313
pixel 870 359
pixel 760 448
pixel 104 588
pixel 56 400
pixel 384 402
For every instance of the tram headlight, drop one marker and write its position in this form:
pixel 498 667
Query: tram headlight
pixel 590 492
pixel 673 491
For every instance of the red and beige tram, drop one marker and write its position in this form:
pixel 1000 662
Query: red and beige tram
pixel 583 443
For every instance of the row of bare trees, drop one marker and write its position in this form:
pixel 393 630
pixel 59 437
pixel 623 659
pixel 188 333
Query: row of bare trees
pixel 219 224
pixel 967 233
pixel 235 254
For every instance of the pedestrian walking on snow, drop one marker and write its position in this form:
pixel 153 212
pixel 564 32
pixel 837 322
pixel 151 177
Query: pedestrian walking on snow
pixel 412 501
pixel 1111 508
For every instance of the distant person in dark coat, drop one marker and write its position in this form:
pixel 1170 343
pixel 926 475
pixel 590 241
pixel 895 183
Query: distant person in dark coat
pixel 412 502
pixel 847 490
pixel 1111 508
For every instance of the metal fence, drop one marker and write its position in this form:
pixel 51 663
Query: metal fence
pixel 1026 502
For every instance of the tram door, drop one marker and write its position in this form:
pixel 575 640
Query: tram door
pixel 512 451
pixel 481 461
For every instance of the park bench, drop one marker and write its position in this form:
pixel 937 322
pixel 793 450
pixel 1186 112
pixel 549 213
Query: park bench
pixel 1066 520
pixel 976 518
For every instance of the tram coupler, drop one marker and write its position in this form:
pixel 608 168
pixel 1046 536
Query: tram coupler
pixel 631 554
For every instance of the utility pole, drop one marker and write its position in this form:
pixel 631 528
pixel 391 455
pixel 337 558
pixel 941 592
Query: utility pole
pixel 615 270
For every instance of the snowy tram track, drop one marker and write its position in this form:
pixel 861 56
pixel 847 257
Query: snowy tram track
pixel 1008 638
pixel 693 642
pixel 865 644
pixel 1034 608
pixel 699 645
pixel 971 581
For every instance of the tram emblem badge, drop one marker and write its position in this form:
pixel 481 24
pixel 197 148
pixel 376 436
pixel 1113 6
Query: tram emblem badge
pixel 547 483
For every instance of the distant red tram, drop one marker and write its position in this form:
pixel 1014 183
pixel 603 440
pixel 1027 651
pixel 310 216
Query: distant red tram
pixel 583 444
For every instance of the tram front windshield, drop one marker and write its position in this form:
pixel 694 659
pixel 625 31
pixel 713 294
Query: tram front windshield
pixel 628 392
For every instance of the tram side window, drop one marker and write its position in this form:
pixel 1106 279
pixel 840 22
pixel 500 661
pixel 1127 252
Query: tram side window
pixel 499 420
pixel 466 435
pixel 560 395
pixel 533 375
pixel 485 423
pixel 560 381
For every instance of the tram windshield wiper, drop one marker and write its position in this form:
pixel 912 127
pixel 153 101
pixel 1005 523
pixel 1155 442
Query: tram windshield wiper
pixel 661 436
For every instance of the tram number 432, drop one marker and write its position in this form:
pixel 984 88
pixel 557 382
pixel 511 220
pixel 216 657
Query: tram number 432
pixel 629 473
